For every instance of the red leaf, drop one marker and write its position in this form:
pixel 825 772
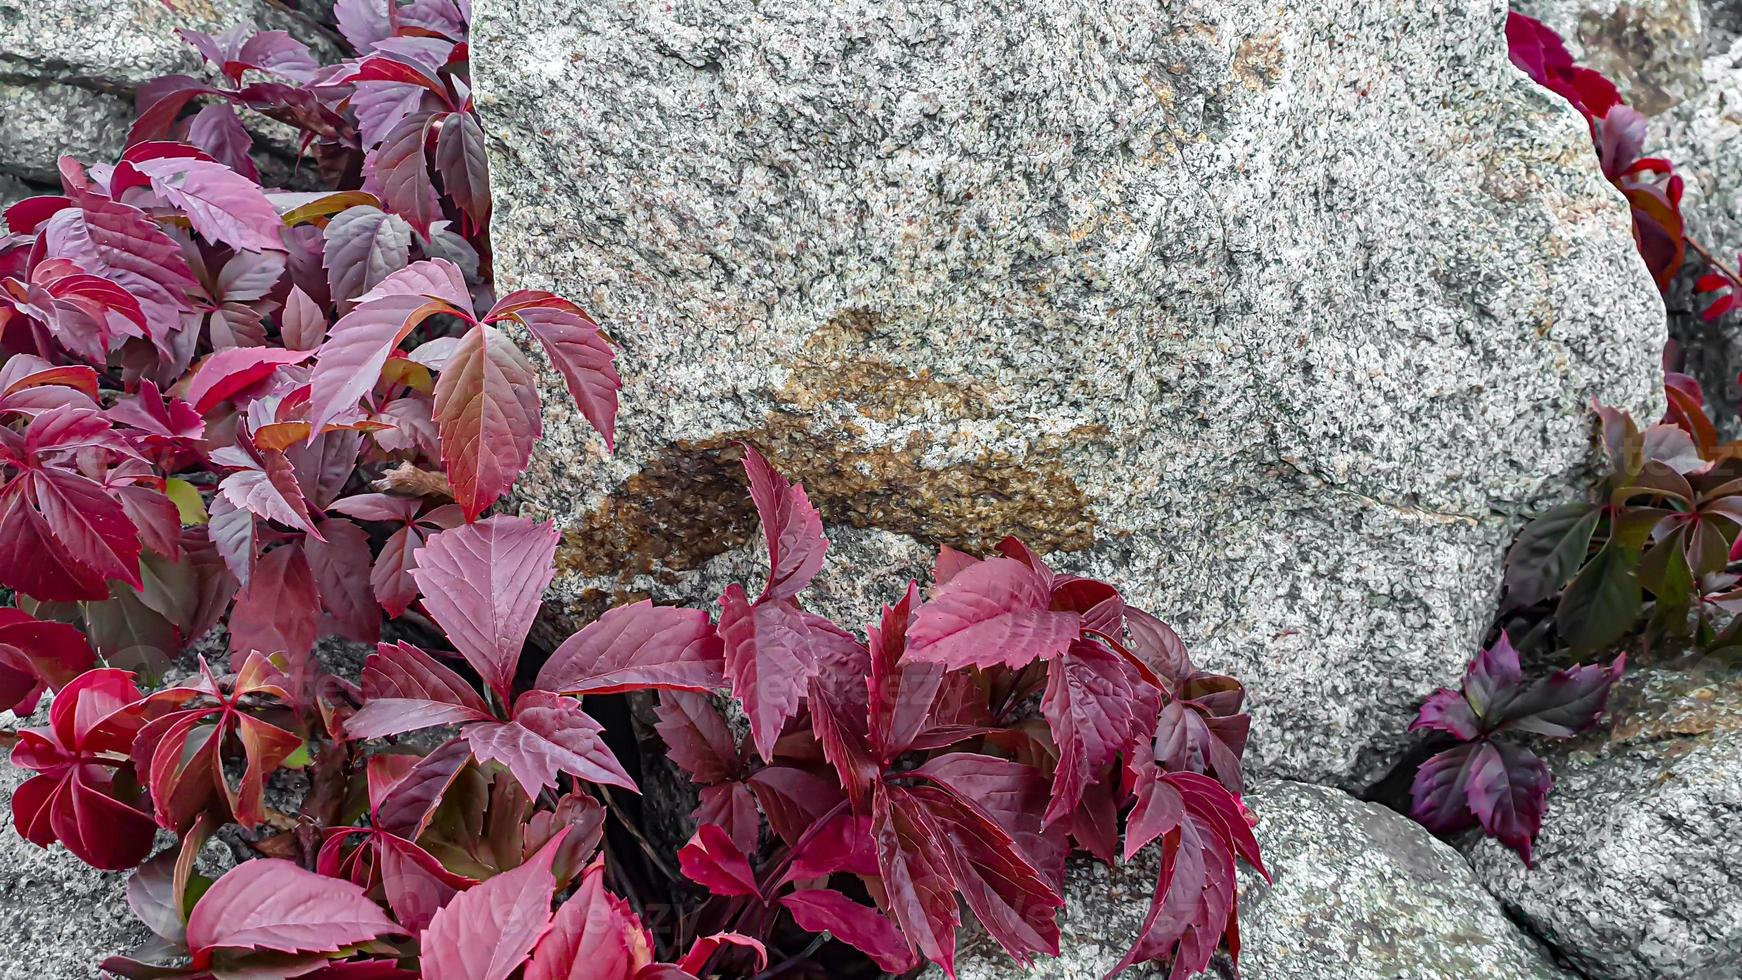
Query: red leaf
pixel 712 860
pixel 703 949
pixel 595 937
pixel 390 577
pixel 271 904
pixel 482 583
pixel 55 653
pixel 278 611
pixel 790 525
pixel 549 734
pixel 350 361
pixel 793 799
pixel 637 647
pixel 842 844
pixel 415 883
pixel 487 415
pixel 229 372
pixel 1013 901
pixel 92 526
pixel 363 245
pixel 270 491
pixel 574 344
pixel 994 613
pixel 221 204
pixel 859 926
pixel 408 807
pixel 697 738
pixel 732 807
pixel 400 169
pixel 405 689
pixel 32 561
pixel 900 695
pixel 1089 705
pixel 487 932
pixel 461 161
pixel 1013 795
pixel 122 244
pixel 921 894
pixel 339 563
pixel 769 660
pixel 1194 904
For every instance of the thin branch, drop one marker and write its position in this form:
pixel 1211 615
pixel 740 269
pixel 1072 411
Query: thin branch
pixel 647 847
pixel 1712 261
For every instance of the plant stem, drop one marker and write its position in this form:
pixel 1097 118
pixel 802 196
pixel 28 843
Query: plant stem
pixel 1707 257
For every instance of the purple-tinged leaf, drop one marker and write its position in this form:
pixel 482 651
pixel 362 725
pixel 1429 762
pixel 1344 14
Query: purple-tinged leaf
pixel 465 172
pixel 487 932
pixel 271 904
pixel 1439 797
pixel 712 860
pixel 222 205
pixel 637 647
pixel 405 689
pixel 859 926
pixel 995 613
pixel 217 130
pixel 487 416
pixel 1507 787
pixel 364 245
pixel 575 346
pixel 769 660
pixel 482 583
pixel 549 734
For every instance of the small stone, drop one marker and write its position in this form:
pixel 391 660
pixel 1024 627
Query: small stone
pixel 1638 870
pixel 1358 892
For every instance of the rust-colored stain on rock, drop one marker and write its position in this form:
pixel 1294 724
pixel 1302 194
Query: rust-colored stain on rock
pixel 689 502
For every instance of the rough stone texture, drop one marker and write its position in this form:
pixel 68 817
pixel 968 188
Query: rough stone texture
pixel 58 915
pixel 1638 871
pixel 1275 313
pixel 13 190
pixel 1358 892
pixel 68 68
pixel 41 121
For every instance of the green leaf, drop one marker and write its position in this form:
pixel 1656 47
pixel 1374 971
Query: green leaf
pixel 298 759
pixel 187 500
pixel 1548 553
pixel 1603 602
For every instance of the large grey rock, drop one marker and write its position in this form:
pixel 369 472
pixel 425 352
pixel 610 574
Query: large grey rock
pixel 1277 314
pixel 1358 893
pixel 59 916
pixel 1638 871
pixel 68 68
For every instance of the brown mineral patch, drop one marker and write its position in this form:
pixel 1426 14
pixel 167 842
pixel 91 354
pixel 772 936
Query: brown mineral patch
pixel 1652 51
pixel 689 504
pixel 1258 61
